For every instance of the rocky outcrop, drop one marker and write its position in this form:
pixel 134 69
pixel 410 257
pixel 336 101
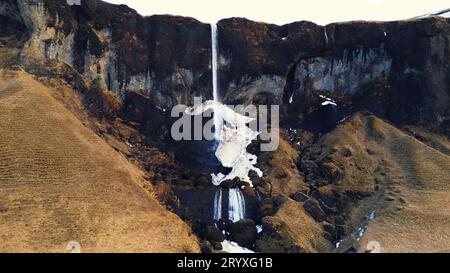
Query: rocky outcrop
pixel 244 232
pixel 10 19
pixel 165 56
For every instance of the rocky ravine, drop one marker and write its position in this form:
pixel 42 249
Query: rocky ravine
pixel 128 70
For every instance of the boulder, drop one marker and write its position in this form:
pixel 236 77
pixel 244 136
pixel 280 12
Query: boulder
pixel 244 232
pixel 202 180
pixel 332 172
pixel 3 208
pixel 346 152
pixel 269 244
pixel 265 208
pixel 224 224
pixel 213 234
pixel 217 246
pixel 294 249
pixel 206 247
pixel 281 175
pixel 329 228
pixel 299 197
pixel 227 184
pixel 256 180
pixel 312 207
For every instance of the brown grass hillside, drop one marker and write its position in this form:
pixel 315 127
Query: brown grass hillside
pixel 60 182
pixel 413 211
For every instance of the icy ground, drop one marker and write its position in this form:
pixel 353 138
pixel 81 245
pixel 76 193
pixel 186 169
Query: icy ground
pixel 234 138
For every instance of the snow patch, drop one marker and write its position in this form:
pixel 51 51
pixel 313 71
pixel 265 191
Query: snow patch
pixel 361 232
pixel 342 120
pixel 232 247
pixel 327 101
pixel 235 136
pixel 259 229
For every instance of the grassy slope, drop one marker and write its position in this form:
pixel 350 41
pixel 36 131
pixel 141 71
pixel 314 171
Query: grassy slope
pixel 413 213
pixel 421 222
pixel 61 182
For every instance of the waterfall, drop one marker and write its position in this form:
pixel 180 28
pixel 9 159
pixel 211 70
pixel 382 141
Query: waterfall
pixel 218 205
pixel 236 205
pixel 326 35
pixel 214 68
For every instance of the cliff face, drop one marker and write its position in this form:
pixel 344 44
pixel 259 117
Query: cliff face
pixel 398 70
pixel 167 57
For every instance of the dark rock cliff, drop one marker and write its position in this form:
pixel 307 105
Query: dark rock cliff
pixel 398 70
pixel 165 56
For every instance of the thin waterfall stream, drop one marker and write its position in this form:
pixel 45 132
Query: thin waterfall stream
pixel 236 200
pixel 236 205
pixel 214 68
pixel 236 208
pixel 326 35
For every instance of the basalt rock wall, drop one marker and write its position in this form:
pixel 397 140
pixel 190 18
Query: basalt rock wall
pixel 398 70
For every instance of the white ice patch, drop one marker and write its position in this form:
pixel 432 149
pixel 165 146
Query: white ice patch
pixel 161 108
pixel 232 247
pixel 342 120
pixel 372 215
pixel 129 144
pixel 327 101
pixel 361 232
pixel 259 229
pixel 291 99
pixel 235 136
